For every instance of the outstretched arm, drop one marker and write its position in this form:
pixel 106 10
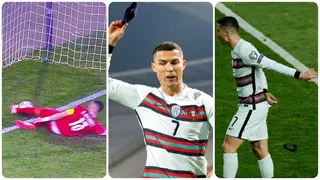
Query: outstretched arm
pixel 126 94
pixel 251 56
pixel 99 129
pixel 54 117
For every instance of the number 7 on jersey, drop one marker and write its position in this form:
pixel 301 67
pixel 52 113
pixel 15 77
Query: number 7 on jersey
pixel 177 126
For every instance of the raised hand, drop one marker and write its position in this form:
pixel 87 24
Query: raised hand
pixel 116 31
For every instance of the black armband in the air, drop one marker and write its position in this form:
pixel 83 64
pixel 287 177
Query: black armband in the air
pixel 111 49
pixel 297 74
pixel 265 90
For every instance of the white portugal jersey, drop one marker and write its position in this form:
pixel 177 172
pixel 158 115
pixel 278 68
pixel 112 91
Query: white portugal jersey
pixel 247 65
pixel 176 128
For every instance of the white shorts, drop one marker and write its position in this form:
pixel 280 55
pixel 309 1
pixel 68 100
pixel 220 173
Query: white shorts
pixel 250 124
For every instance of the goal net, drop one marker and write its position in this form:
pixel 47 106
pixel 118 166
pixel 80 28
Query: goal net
pixel 69 33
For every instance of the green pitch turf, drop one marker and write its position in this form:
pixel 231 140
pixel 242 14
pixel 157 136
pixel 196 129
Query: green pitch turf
pixel 40 154
pixel 295 118
pixel 294 26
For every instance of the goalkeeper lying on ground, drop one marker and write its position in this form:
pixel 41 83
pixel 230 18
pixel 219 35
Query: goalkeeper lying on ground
pixel 72 122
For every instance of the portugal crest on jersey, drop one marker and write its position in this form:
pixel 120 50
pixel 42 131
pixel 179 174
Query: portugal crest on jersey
pixel 175 110
pixel 192 112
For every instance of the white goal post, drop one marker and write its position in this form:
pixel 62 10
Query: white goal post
pixel 70 33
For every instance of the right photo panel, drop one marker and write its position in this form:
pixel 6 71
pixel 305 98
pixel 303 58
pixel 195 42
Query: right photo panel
pixel 266 90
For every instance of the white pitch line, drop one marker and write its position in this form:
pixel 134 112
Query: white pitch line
pixel 264 39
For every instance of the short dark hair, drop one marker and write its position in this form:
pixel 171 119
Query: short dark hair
pixel 100 104
pixel 229 21
pixel 167 46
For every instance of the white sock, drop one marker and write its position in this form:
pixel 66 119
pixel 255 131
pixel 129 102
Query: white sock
pixel 266 167
pixel 230 165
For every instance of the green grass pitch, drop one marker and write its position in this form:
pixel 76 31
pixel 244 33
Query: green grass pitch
pixel 40 154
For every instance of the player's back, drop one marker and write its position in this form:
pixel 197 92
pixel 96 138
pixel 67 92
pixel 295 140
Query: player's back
pixel 176 131
pixel 79 122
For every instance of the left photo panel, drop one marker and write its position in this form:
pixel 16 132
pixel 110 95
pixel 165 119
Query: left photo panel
pixel 54 89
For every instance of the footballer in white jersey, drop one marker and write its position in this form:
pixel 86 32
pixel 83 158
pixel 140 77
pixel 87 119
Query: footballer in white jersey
pixel 175 119
pixel 249 122
pixel 247 63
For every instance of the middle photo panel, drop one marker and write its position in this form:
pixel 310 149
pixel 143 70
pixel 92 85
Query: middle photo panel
pixel 160 89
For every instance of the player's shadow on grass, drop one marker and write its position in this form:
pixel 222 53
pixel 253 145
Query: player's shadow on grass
pixel 89 142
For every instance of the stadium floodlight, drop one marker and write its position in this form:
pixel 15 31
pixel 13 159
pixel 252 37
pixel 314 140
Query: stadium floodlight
pixel 70 33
